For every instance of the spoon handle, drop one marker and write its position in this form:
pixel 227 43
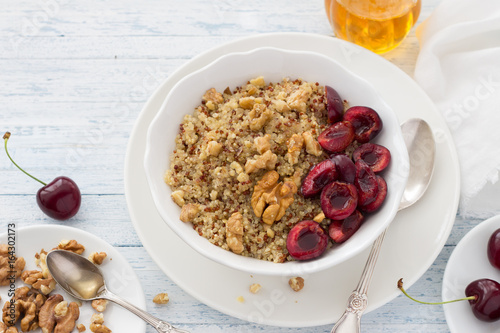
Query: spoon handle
pixel 160 325
pixel 350 322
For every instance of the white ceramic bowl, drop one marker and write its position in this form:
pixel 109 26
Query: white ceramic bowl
pixel 274 64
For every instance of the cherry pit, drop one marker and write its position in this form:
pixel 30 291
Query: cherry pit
pixel 60 199
pixel 349 184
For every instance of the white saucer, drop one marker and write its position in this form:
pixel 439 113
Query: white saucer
pixel 469 262
pixel 119 275
pixel 413 241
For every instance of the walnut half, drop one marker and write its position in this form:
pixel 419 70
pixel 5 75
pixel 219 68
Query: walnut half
pixel 270 199
pixel 234 233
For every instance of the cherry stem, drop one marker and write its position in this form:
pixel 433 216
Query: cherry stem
pixel 400 286
pixel 6 137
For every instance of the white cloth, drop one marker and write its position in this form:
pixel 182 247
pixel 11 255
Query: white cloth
pixel 459 68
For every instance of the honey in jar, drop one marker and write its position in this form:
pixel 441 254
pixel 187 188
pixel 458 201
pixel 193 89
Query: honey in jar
pixel 378 25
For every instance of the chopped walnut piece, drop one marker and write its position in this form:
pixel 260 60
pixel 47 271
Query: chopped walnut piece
pixel 28 310
pixel 270 199
pixel 61 309
pixel 67 322
pixel 211 95
pixel 6 271
pixel 258 82
pixel 296 177
pixel 246 102
pixel 97 324
pixel 97 257
pixel 46 317
pixel 234 232
pixel 294 144
pixel 214 148
pixel 30 277
pixel 263 143
pixel 3 327
pixel 312 145
pixel 80 328
pixel 298 99
pixel 99 304
pixel 259 116
pixel 255 288
pixel 71 245
pixel 189 212
pixel 12 329
pixel 178 197
pixel 296 283
pixel 267 160
pixel 161 298
pixel 320 217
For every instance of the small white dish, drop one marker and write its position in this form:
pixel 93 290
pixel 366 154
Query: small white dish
pixel 469 262
pixel 119 276
pixel 273 64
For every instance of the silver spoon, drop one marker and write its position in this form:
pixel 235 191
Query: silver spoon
pixel 421 148
pixel 83 280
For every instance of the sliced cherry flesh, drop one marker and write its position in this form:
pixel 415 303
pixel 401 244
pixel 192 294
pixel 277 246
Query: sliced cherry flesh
pixel 345 168
pixel 306 240
pixel 319 176
pixel 59 199
pixel 493 249
pixel 376 156
pixel 334 105
pixel 366 183
pixel 379 199
pixel 340 231
pixel 337 137
pixel 486 306
pixel 366 122
pixel 339 200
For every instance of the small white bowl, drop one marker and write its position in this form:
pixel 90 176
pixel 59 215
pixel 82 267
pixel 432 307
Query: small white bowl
pixel 273 64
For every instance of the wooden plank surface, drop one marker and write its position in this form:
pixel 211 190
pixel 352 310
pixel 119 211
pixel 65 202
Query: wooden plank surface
pixel 74 78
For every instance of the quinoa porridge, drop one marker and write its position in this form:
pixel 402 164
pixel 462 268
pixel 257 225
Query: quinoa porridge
pixel 239 160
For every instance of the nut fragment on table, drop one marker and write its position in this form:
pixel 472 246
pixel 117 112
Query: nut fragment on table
pixel 97 257
pixel 97 324
pixel 99 304
pixel 80 328
pixel 66 321
pixel 296 283
pixel 46 317
pixel 161 298
pixel 71 245
pixel 255 288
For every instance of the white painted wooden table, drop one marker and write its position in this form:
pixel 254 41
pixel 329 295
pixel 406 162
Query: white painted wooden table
pixel 74 76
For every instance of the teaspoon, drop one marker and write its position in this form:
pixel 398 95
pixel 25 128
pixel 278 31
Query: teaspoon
pixel 83 280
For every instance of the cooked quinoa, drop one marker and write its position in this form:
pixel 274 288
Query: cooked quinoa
pixel 210 174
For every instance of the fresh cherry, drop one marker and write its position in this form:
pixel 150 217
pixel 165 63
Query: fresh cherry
pixel 337 137
pixel 306 240
pixel 493 249
pixel 339 200
pixel 320 175
pixel 376 156
pixel 379 198
pixel 60 199
pixel 366 183
pixel 345 168
pixel 334 105
pixel 483 296
pixel 340 231
pixel 366 121
pixel 486 303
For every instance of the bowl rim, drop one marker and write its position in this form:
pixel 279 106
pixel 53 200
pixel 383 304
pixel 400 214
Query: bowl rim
pixel 252 265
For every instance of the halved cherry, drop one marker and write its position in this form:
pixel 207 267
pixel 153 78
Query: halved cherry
pixel 379 199
pixel 376 156
pixel 337 137
pixel 366 121
pixel 345 168
pixel 339 200
pixel 334 105
pixel 340 231
pixel 366 183
pixel 306 240
pixel 319 176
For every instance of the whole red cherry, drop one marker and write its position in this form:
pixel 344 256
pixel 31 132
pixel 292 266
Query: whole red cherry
pixel 494 249
pixel 486 304
pixel 60 199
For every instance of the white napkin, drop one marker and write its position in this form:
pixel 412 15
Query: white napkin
pixel 459 68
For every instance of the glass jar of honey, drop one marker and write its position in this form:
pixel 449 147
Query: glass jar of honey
pixel 378 25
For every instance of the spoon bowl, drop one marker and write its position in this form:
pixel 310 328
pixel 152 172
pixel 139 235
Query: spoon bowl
pixel 83 280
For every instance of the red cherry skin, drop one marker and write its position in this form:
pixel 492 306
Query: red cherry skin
pixel 334 105
pixel 340 231
pixel 486 306
pixel 494 249
pixel 59 199
pixel 306 240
